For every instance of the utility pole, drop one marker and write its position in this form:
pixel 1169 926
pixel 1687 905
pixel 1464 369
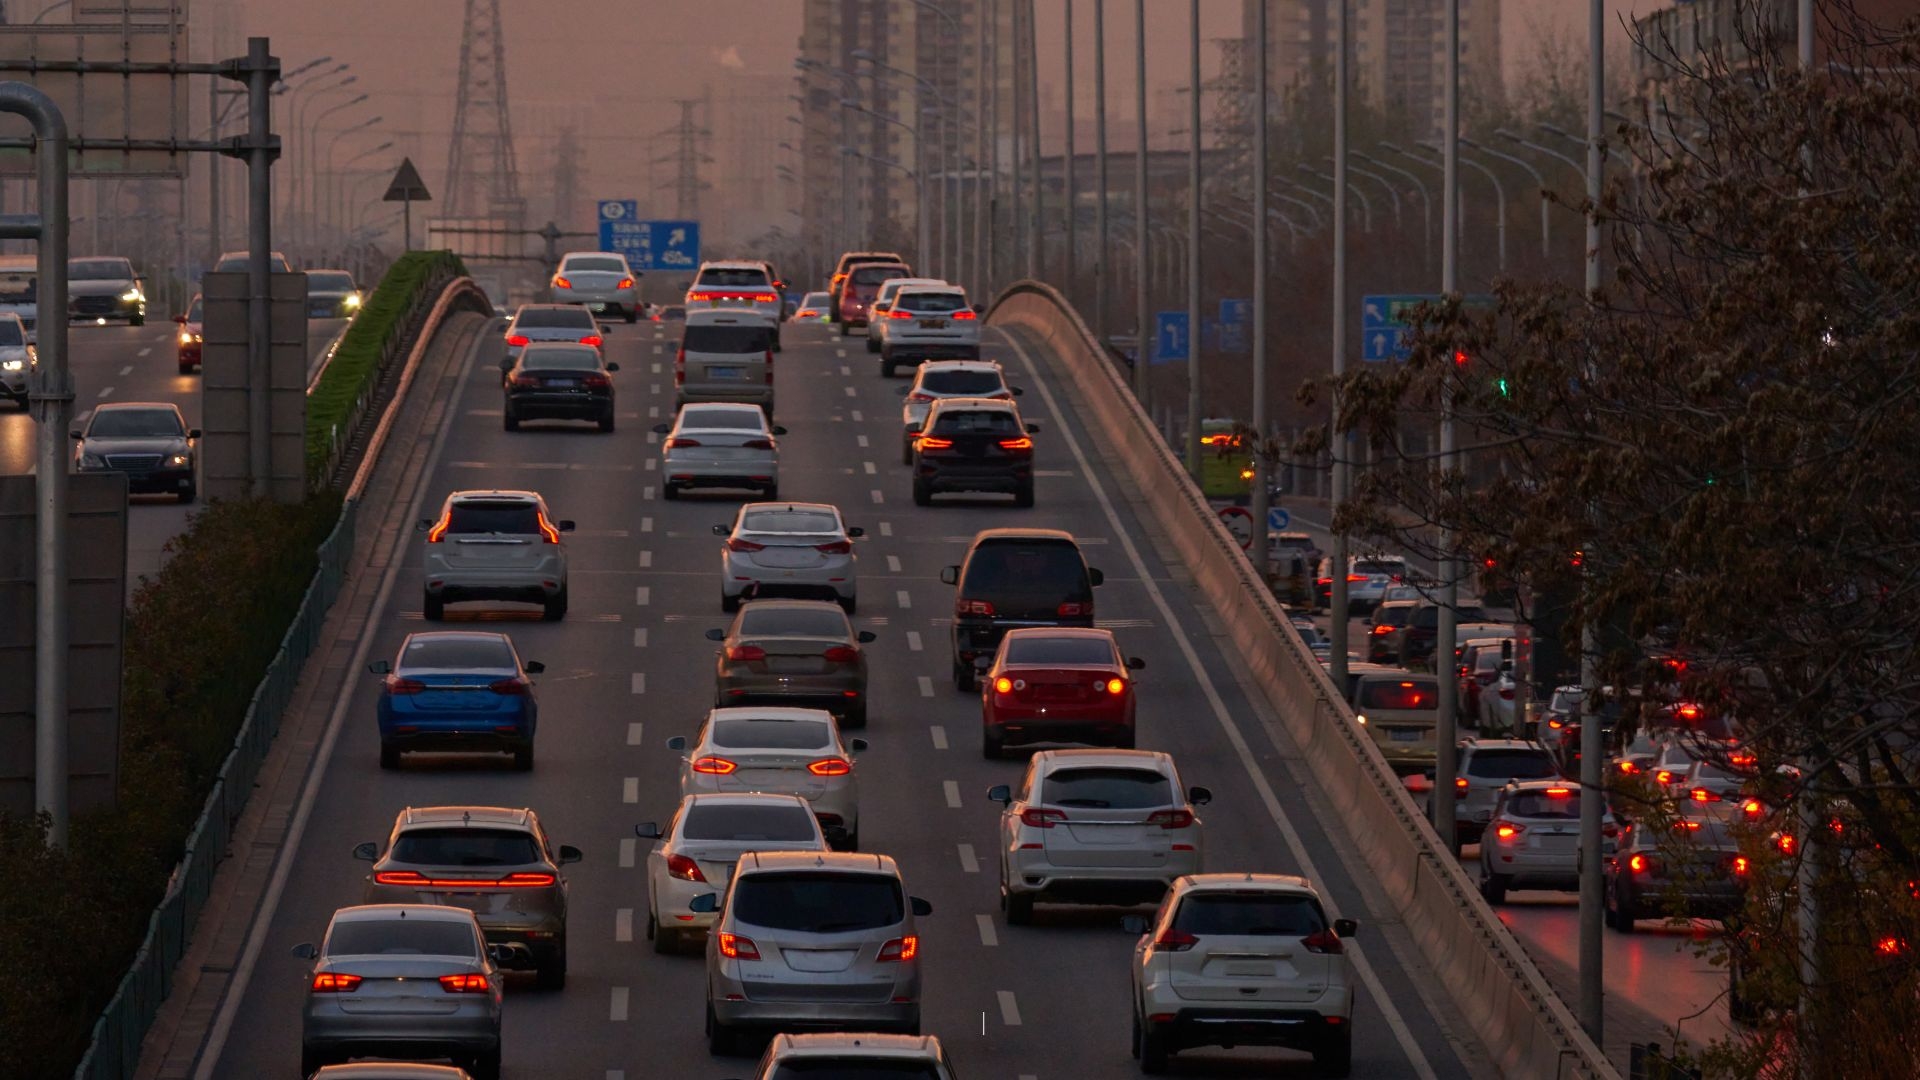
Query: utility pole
pixel 566 176
pixel 1070 278
pixel 687 158
pixel 1592 748
pixel 1101 267
pixel 1342 447
pixel 982 270
pixel 1036 243
pixel 1194 465
pixel 482 175
pixel 990 11
pixel 1258 551
pixel 1446 762
pixel 1142 317
pixel 1016 232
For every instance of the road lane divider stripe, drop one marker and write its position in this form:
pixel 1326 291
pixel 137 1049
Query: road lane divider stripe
pixel 939 736
pixel 846 369
pixel 626 853
pixel 1009 1008
pixel 641 594
pixel 871 468
pixel 893 564
pixel 145 349
pixel 646 560
pixel 617 1005
pixel 903 598
pixel 851 391
pixel 630 790
pixel 105 391
pixel 886 528
pixel 969 864
pixel 858 440
pixel 878 496
pixel 623 924
pixel 125 371
pixel 952 788
pixel 639 682
pixel 646 524
pixel 913 640
pixel 926 686
pixel 634 729
pixel 639 637
pixel 857 418
pixel 988 936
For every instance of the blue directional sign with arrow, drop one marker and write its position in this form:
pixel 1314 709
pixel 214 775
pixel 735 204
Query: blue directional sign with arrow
pixel 648 245
pixel 1385 333
pixel 1172 337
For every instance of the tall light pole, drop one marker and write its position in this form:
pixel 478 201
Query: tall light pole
pixel 1068 205
pixel 922 223
pixel 981 271
pixel 1445 764
pixel 1592 956
pixel 1017 222
pixel 1195 466
pixel 1540 185
pixel 1258 552
pixel 336 207
pixel 947 139
pixel 1499 197
pixel 1142 318
pixel 1386 185
pixel 990 12
pixel 1426 201
pixel 1102 271
pixel 306 196
pixel 1338 597
pixel 321 199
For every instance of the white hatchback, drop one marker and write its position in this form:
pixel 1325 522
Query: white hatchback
pixel 781 750
pixel 695 853
pixel 723 446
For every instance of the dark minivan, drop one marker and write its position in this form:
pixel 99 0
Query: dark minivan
pixel 1013 578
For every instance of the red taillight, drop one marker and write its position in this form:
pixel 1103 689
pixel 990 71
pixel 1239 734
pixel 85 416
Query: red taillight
pixel 1073 609
pixel 806 313
pixel 963 313
pixel 1175 941
pixel 1381 630
pixel 737 544
pixel 743 653
pixel 1703 795
pixel 1628 768
pixel 973 607
pixel 473 983
pixel 1356 577
pixel 598 382
pixel 1740 865
pixel 679 441
pixel 593 340
pixel 684 868
pixel 831 766
pixel 526 382
pixel 1664 776
pixel 1559 792
pixel 1890 946
pixel 1171 819
pixel 921 398
pixel 1460 785
pixel 1325 942
pixel 928 442
pixel 758 444
pixel 439 528
pixel 518 341
pixel 335 982
pixel 1016 445
pixel 837 547
pixel 735 947
pixel 524 880
pixel 1116 686
pixel 400 687
pixel 1507 830
pixel 1751 808
pixel 900 949
pixel 680 365
pixel 841 654
pixel 514 687
pixel 401 877
pixel 1506 693
pixel 1688 712
pixel 1786 843
pixel 714 766
pixel 896 313
pixel 1003 685
pixel 415 879
pixel 561 283
pixel 625 283
pixel 547 530
pixel 700 297
pixel 1639 863
pixel 1041 819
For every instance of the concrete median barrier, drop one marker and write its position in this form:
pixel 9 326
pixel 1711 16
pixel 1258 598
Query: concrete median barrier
pixel 1526 1029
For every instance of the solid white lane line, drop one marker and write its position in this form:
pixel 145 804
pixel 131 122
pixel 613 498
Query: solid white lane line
pixel 626 853
pixel 893 564
pixel 953 793
pixel 145 350
pixel 988 936
pixel 646 524
pixel 851 391
pixel 1298 849
pixel 646 558
pixel 857 418
pixel 623 924
pixel 1009 1008
pixel 968 863
pixel 639 682
pixel 128 370
pixel 870 467
pixel 939 736
pixel 886 528
pixel 859 440
pixel 926 686
pixel 878 495
pixel 639 637
pixel 106 391
pixel 913 640
pixel 903 598
pixel 617 1007
pixel 634 728
pixel 630 790
pixel 641 594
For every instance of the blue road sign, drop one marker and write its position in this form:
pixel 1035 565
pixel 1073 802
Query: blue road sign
pixel 1384 331
pixel 1171 337
pixel 648 245
pixel 1278 519
pixel 1235 314
pixel 1236 311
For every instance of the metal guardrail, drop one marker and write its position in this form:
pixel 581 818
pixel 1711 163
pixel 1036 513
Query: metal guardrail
pixel 340 437
pixel 123 1024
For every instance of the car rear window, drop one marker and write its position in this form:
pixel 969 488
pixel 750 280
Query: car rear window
pixel 1379 566
pixel 554 319
pixel 789 521
pixel 561 359
pixel 726 419
pixel 818 902
pixel 727 339
pixel 751 733
pixel 401 937
pixel 1004 567
pixel 792 622
pixel 976 422
pixel 1511 764
pixel 1107 788
pixel 1399 694
pixel 1563 806
pixel 466 847
pixel 456 652
pixel 595 264
pixel 931 302
pixel 785 823
pixel 961 382
pixel 1489 660
pixel 1426 618
pixel 1391 616
pixel 510 516
pixel 1060 650
pixel 19 286
pixel 874 275
pixel 853 1068
pixel 734 278
pixel 1250 915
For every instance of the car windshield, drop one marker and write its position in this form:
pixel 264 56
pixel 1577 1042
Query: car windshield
pixel 1399 694
pixel 725 419
pixel 134 423
pixel 1554 804
pixel 961 382
pixel 1050 651
pixel 1250 914
pixel 1511 764
pixel 514 516
pixel 554 318
pixel 789 521
pixel 601 264
pixel 853 1068
pixel 931 302
pixel 754 733
pixel 99 270
pixel 785 823
pixel 194 311
pixel 562 359
pixel 733 278
pixel 401 937
pixel 976 422
pixel 763 621
pixel 458 652
pixel 1565 701
pixel 465 847
pixel 10 333
pixel 1379 566
pixel 19 287
pixel 326 281
pixel 1107 788
pixel 875 275
pixel 738 338
pixel 818 902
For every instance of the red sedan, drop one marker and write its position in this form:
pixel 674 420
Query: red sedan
pixel 188 339
pixel 1057 685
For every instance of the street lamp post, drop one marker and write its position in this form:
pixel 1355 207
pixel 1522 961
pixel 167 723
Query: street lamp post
pixel 1426 201
pixel 1499 197
pixel 1194 465
pixel 1445 764
pixel 1102 271
pixel 336 206
pixel 1540 183
pixel 322 199
pixel 1258 550
pixel 306 194
pixel 1142 318
pixel 1393 193
pixel 1341 466
pixel 923 225
pixel 1070 279
pixel 1366 204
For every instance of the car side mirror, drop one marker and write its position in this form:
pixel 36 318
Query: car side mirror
pixel 1134 924
pixel 648 830
pixel 979 309
pixel 865 637
pixel 721 530
pixel 1134 663
pixel 366 852
pixel 380 667
pixel 613 365
pixel 858 746
pixel 678 742
pixel 778 430
pixel 570 854
pixel 305 950
pixel 534 667
pixel 1033 429
pixel 1095 577
pixel 76 434
pixel 716 635
pixel 566 525
pixel 920 907
pixel 193 433
pixel 856 532
pixel 606 328
pixel 950 575
pixel 1346 928
pixel 1000 793
pixel 1199 796
pixel 705 904
pixel 662 429
pixel 1018 391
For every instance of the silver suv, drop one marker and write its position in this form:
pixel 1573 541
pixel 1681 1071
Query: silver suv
pixel 819 940
pixel 1486 766
pixel 495 545
pixel 877 1057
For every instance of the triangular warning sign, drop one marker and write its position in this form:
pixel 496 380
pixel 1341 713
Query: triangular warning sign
pixel 407 185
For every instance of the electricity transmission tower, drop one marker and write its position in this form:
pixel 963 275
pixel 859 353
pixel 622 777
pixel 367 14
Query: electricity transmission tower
pixel 1232 125
pixel 483 178
pixel 688 156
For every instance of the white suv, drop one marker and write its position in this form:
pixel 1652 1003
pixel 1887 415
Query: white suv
pixel 929 322
pixel 495 545
pixel 877 324
pixel 1242 960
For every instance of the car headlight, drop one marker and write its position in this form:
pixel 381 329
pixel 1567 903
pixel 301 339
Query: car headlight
pixel 352 301
pixel 133 296
pixel 186 337
pixel 12 365
pixel 178 459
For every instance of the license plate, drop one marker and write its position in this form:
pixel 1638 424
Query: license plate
pixel 933 324
pixel 563 382
pixel 596 306
pixel 1405 736
pixel 726 373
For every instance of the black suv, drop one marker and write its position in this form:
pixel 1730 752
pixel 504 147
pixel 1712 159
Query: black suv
pixel 974 444
pixel 1413 642
pixel 1013 578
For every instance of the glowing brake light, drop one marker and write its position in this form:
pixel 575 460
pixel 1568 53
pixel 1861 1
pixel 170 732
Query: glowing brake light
pixel 1021 443
pixel 1041 819
pixel 900 949
pixel 547 530
pixel 735 947
pixel 1356 577
pixel 1003 685
pixel 1751 808
pixel 841 654
pixel 831 766
pixel 397 686
pixel 684 868
pixel 963 313
pixel 1628 768
pixel 1171 819
pixel 679 442
pixel 1638 863
pixel 1688 712
pixel 896 313
pixel 918 396
pixel 561 283
pixel 1786 843
pixel 1703 795
pixel 1116 686
pixel 594 340
pixel 514 687
pixel 1558 792
pixel 757 444
pixel 928 442
pixel 1380 630
pixel 1460 785
pixel 1507 830
pixel 1740 865
pixel 1890 946
pixel 742 653
pixel 335 982
pixel 625 283
pixel 973 607
pixel 518 341
pixel 1176 941
pixel 471 983
pixel 1073 609
pixel 835 547
pixel 440 528
pixel 714 766
pixel 1664 776
pixel 1324 942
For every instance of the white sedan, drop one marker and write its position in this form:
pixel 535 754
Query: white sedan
pixel 783 750
pixel 724 446
pixel 788 549
pixel 697 850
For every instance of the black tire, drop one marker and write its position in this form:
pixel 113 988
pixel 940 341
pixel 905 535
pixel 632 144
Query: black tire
pixel 729 604
pixel 523 757
pixel 556 609
pixel 844 328
pixel 486 1066
pixel 991 746
pixel 771 493
pixel 856 718
pixel 670 491
pixel 886 369
pixel 873 345
pixel 1334 1056
pixel 552 972
pixel 633 316
pixel 606 422
pixel 964 679
pixel 1023 496
pixel 666 942
pixel 1019 909
pixel 1154 1050
pixel 137 320
pixel 922 493
pixel 850 605
pixel 189 493
pixel 720 1039
pixel 1493 888
pixel 906 451
pixel 389 755
pixel 434 609
pixel 1618 913
pixel 508 420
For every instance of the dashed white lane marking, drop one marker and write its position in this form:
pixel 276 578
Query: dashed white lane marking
pixel 893 564
pixel 870 467
pixel 639 682
pixel 939 736
pixel 968 863
pixel 660 348
pixel 642 594
pixel 926 686
pixel 646 524
pixel 655 388
pixel 630 790
pixel 639 637
pixel 886 528
pixel 859 440
pixel 652 464
pixel 125 371
pixel 984 922
pixel 857 418
pixel 846 369
pixel 623 924
pixel 841 353
pixel 646 558
pixel 105 391
pixel 903 598
pixel 621 1074
pixel 656 369
pixel 652 437
pixel 617 1008
pixel 1009 1008
pixel 878 495
pixel 851 391
pixel 145 350
pixel 953 793
pixel 626 853
pixel 634 732
pixel 653 412
pixel 913 640
pixel 647 492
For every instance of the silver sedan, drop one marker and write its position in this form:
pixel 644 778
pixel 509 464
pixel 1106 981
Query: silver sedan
pixel 781 750
pixel 600 281
pixel 724 446
pixel 697 850
pixel 788 549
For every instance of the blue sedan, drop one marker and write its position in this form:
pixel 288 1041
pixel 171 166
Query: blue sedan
pixel 457 690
